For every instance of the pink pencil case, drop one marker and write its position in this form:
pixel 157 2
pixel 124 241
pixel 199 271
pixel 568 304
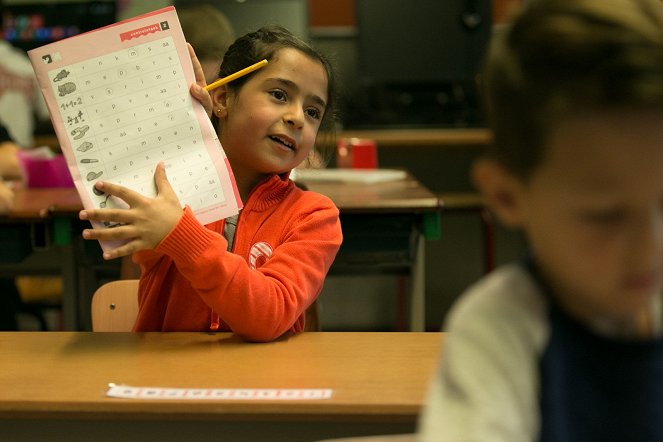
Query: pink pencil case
pixel 41 171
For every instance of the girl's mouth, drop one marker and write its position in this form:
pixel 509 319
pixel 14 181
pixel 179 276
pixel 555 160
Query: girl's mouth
pixel 287 143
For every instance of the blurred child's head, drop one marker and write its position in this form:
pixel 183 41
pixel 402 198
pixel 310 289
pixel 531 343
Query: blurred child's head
pixel 574 92
pixel 210 33
pixel 565 57
pixel 267 43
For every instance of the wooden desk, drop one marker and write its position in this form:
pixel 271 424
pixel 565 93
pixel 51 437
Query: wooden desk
pixel 40 224
pixel 40 203
pixel 385 227
pixel 52 385
pixel 441 138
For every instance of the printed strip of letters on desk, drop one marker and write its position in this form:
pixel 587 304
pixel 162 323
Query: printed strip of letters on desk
pixel 288 394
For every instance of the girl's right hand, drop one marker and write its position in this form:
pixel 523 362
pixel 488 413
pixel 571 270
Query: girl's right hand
pixel 197 89
pixel 143 225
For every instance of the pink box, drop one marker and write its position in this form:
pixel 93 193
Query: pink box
pixel 45 172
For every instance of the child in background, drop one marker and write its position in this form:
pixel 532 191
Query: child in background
pixel 22 106
pixel 255 278
pixel 567 346
pixel 210 33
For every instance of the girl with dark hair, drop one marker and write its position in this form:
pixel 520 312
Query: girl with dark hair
pixel 254 275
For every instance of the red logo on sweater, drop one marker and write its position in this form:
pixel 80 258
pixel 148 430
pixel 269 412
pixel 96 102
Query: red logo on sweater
pixel 259 254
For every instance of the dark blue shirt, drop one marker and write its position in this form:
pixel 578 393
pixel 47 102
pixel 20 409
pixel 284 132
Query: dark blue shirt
pixel 595 388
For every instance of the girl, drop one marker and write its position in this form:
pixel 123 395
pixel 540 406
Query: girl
pixel 257 274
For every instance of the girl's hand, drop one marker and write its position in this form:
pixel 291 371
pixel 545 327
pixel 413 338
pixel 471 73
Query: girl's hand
pixel 144 224
pixel 198 88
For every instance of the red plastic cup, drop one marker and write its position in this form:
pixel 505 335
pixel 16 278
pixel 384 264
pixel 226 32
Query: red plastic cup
pixel 356 153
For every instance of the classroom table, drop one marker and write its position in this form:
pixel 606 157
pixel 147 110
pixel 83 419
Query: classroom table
pixel 442 138
pixel 385 228
pixel 53 385
pixel 439 138
pixel 39 226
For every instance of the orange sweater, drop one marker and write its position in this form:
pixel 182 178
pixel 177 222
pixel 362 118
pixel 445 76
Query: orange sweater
pixel 286 240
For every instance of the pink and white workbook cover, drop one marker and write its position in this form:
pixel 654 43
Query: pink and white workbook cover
pixel 119 101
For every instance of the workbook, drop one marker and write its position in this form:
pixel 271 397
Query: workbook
pixel 119 101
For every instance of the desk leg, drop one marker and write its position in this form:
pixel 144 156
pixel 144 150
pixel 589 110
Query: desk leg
pixel 69 289
pixel 418 287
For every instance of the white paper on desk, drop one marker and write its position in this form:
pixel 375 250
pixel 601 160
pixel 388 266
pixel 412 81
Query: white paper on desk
pixel 366 176
pixel 119 101
pixel 161 393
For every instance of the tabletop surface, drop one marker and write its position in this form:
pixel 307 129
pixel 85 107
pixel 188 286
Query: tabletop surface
pixel 434 137
pixel 392 196
pixel 32 203
pixel 406 195
pixel 456 137
pixel 65 375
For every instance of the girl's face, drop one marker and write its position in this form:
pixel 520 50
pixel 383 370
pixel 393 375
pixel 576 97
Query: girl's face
pixel 270 126
pixel 593 213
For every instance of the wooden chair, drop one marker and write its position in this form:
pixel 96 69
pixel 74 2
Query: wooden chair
pixel 115 306
pixel 313 318
pixel 38 294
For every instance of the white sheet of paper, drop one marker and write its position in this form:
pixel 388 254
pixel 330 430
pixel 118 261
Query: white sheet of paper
pixel 367 176
pixel 119 101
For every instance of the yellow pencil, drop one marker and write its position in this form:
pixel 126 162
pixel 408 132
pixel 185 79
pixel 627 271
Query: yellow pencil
pixel 231 77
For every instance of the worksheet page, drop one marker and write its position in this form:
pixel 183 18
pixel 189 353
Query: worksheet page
pixel 119 101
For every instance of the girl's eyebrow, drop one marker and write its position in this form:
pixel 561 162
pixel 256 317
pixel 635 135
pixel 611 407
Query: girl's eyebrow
pixel 292 85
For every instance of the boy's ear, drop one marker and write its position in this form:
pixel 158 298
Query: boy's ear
pixel 220 101
pixel 501 190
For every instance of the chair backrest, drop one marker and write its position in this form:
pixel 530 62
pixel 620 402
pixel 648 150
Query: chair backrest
pixel 115 306
pixel 313 318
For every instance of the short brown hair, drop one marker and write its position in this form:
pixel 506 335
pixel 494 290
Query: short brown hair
pixel 567 57
pixel 207 29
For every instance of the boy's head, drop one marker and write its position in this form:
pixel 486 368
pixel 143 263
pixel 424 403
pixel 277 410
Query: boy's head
pixel 575 99
pixel 563 57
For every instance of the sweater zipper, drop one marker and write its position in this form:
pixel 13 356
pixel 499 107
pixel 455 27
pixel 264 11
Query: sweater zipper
pixel 214 321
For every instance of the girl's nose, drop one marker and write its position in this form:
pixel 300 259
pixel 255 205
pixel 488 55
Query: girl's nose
pixel 294 117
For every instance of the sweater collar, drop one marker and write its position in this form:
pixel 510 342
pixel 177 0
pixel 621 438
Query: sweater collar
pixel 269 191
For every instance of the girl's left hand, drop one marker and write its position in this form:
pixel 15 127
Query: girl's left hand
pixel 198 88
pixel 144 224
